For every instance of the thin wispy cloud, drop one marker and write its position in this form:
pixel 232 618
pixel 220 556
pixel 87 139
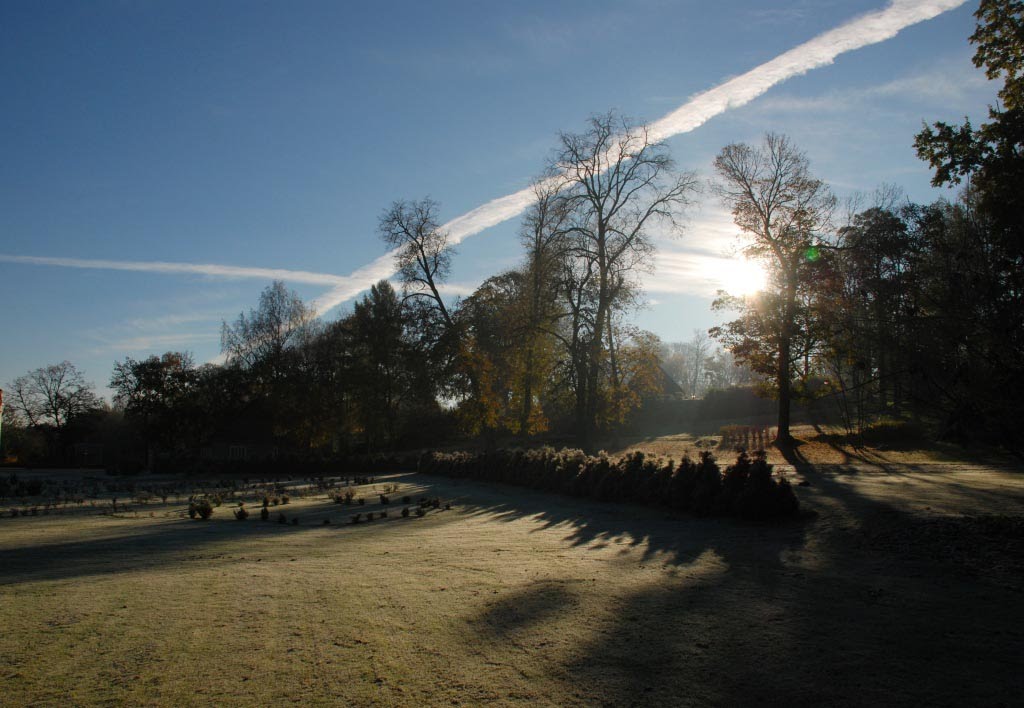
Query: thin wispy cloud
pixel 152 342
pixel 165 321
pixel 948 84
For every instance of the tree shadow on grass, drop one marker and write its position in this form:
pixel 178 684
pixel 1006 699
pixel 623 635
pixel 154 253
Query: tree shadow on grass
pixel 672 538
pixel 792 615
pixel 956 496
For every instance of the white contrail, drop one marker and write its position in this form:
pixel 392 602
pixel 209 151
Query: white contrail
pixel 868 29
pixel 223 271
pixel 865 30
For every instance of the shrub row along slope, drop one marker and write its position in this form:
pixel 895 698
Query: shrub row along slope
pixel 746 489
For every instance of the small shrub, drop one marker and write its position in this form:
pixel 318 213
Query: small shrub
pixel 384 499
pixel 201 508
pixel 266 501
pixel 295 521
pixel 383 514
pixel 361 501
pixel 405 512
pixel 285 499
pixel 356 518
pixel 264 513
pixel 241 514
pixel 420 511
pixel 327 522
pixel 707 486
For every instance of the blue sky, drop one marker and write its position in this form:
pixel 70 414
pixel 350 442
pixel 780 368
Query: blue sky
pixel 270 136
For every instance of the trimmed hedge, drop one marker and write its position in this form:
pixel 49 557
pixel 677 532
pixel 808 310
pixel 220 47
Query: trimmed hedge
pixel 747 489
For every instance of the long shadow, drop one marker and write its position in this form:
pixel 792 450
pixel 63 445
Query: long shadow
pixel 828 475
pixel 801 615
pixel 658 534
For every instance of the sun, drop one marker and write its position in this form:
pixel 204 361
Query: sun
pixel 740 276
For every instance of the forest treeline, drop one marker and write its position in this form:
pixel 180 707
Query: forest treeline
pixel 883 308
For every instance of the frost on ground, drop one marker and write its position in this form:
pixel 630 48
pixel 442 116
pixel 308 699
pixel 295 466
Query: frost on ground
pixel 906 589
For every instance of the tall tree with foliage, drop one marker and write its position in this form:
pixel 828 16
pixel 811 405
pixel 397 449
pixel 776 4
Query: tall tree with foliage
pixel 991 158
pixel 381 379
pixel 492 341
pixel 152 393
pixel 544 238
pixel 784 211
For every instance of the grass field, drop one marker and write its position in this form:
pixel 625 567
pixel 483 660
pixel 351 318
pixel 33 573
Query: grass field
pixel 889 596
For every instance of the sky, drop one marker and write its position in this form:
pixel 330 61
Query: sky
pixel 162 162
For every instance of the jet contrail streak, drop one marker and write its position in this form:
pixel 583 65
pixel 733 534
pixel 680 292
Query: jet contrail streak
pixel 863 31
pixel 868 29
pixel 860 32
pixel 224 271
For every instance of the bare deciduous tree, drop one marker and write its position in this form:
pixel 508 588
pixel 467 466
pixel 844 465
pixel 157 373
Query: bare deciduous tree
pixel 260 339
pixel 618 184
pixel 52 395
pixel 424 256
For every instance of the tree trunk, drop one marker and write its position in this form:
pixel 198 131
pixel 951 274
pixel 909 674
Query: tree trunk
pixel 527 408
pixel 783 437
pixel 597 340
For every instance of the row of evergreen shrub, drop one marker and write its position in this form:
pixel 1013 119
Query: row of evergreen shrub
pixel 746 489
